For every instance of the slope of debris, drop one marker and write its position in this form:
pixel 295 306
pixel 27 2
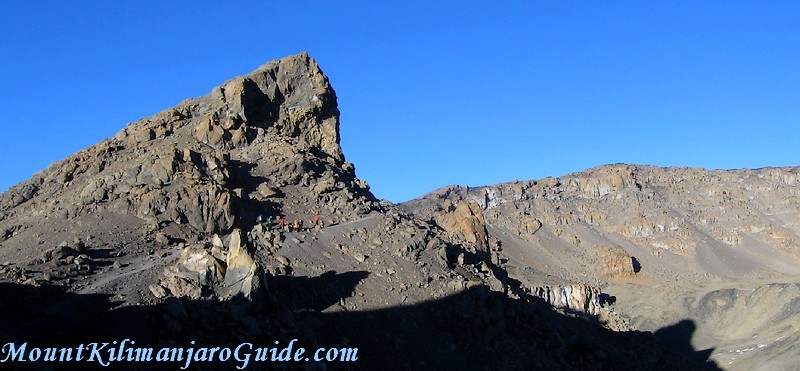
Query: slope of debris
pixel 652 240
pixel 682 223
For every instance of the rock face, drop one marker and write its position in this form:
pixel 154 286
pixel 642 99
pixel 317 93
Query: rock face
pixel 661 241
pixel 193 276
pixel 577 297
pixel 259 146
pixel 243 277
pixel 685 221
pixel 214 270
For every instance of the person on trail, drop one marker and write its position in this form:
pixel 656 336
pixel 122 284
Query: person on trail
pixel 296 225
pixel 300 222
pixel 316 220
pixel 282 223
pixel 259 219
pixel 269 222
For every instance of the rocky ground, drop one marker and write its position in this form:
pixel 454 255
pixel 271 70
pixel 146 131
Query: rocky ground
pixel 154 235
pixel 711 252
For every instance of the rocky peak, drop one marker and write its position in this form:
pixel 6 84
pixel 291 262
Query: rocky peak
pixel 263 143
pixel 288 99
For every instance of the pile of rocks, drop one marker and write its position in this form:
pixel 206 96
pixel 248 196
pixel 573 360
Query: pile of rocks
pixel 214 270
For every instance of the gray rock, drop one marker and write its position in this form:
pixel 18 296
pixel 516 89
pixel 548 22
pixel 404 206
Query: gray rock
pixel 359 257
pixel 243 276
pixel 158 291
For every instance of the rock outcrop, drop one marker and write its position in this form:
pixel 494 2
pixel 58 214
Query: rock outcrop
pixel 466 220
pixel 211 162
pixel 243 276
pixel 613 262
pixel 193 276
pixel 577 297
pixel 213 270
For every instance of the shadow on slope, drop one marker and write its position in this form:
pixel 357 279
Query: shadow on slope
pixel 474 329
pixel 679 337
pixel 314 293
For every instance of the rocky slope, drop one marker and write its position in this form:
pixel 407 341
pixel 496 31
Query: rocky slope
pixel 654 240
pixel 159 234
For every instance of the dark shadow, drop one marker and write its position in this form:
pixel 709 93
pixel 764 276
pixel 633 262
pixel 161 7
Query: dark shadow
pixel 259 108
pixel 99 253
pixel 241 176
pixel 636 265
pixel 679 338
pixel 475 329
pixel 606 299
pixel 480 329
pixel 315 293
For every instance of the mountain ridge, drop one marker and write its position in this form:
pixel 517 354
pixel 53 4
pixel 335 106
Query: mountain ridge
pixel 668 243
pixel 173 222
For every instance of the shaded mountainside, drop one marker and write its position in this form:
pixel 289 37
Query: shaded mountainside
pixel 664 244
pixel 160 234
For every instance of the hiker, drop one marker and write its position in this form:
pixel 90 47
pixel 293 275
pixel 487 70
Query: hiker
pixel 296 225
pixel 316 220
pixel 300 223
pixel 259 219
pixel 269 222
pixel 282 223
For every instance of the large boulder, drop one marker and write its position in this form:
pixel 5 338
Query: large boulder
pixel 206 270
pixel 193 275
pixel 468 221
pixel 614 262
pixel 243 277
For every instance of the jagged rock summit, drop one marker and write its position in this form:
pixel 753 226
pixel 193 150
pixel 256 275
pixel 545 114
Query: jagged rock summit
pixel 210 163
pixel 259 146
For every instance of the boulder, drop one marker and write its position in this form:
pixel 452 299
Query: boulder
pixel 195 273
pixel 243 277
pixel 614 262
pixel 466 219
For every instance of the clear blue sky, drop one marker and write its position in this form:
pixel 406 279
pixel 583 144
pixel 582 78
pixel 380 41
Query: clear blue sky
pixel 431 93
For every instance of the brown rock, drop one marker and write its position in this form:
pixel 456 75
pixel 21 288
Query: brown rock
pixel 614 262
pixel 467 219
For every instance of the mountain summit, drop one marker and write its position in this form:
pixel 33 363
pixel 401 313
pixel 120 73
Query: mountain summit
pixel 211 163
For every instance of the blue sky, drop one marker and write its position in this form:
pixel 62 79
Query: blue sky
pixel 431 93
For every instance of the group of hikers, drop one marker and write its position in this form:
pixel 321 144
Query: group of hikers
pixel 286 226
